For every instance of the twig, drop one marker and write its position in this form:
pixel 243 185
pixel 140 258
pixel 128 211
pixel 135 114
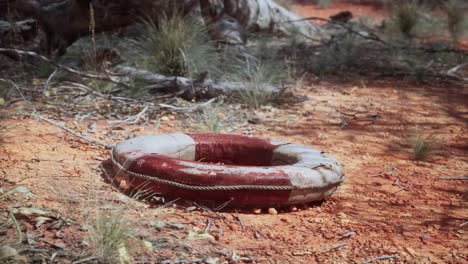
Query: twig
pixel 182 261
pixel 135 118
pixel 240 220
pixel 372 223
pixel 221 206
pixel 209 210
pixel 107 97
pixel 46 85
pixel 345 121
pixel 385 173
pixel 207 227
pixel 187 109
pixel 308 252
pixel 452 178
pixel 453 72
pixel 348 234
pixel 65 68
pixel 334 247
pixel 107 145
pixel 380 258
pixel 404 188
pixel 84 260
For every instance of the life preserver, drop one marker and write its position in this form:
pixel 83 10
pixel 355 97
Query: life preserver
pixel 241 170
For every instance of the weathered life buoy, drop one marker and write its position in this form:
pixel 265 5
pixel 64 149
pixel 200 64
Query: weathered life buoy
pixel 241 170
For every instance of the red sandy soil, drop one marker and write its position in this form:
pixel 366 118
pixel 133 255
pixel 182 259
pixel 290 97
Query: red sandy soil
pixel 370 9
pixel 420 219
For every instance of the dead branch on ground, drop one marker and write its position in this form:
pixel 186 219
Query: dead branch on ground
pixel 346 118
pixel 62 67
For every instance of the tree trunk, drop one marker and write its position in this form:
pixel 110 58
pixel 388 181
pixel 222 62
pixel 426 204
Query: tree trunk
pixel 64 21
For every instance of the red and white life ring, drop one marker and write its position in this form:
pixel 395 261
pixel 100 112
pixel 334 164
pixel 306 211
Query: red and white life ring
pixel 243 170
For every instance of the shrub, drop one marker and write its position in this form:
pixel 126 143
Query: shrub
pixel 213 120
pixel 343 53
pixel 456 18
pixel 421 144
pixel 109 235
pixel 180 46
pixel 405 16
pixel 258 76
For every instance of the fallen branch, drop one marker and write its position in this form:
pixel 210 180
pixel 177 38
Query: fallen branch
pixel 65 68
pixel 385 173
pixel 345 121
pixel 380 258
pixel 190 88
pixel 452 178
pixel 122 100
pixel 453 72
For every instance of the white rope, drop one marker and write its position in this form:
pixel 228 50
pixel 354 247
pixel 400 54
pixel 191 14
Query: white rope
pixel 213 188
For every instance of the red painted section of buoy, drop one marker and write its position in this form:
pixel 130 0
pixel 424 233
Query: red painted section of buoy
pixel 221 168
pixel 233 149
pixel 187 172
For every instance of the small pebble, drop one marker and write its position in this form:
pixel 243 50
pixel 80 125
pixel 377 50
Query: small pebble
pixel 341 214
pixel 123 185
pixel 293 209
pixel 232 227
pixel 211 260
pixel 257 211
pixel 272 211
pixel 190 208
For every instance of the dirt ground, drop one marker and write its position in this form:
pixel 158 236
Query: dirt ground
pixel 409 216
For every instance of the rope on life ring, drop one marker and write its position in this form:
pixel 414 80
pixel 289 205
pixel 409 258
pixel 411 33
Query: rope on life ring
pixel 201 188
pixel 245 170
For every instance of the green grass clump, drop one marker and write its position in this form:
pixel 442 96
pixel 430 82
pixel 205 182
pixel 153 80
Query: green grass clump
pixel 179 46
pixel 422 145
pixel 258 77
pixel 109 235
pixel 338 57
pixel 405 18
pixel 456 18
pixel 213 120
